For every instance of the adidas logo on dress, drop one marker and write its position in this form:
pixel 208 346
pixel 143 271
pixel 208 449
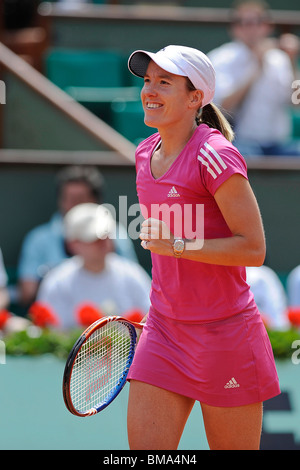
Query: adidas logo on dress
pixel 232 384
pixel 173 192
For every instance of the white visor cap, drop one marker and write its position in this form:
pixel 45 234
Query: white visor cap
pixel 179 60
pixel 88 222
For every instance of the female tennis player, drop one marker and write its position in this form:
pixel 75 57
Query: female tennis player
pixel 203 339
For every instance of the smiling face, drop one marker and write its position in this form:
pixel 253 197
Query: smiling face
pixel 166 99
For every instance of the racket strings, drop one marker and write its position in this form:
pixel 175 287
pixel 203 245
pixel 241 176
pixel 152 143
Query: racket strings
pixel 99 365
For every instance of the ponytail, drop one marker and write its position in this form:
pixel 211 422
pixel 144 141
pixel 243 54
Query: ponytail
pixel 213 117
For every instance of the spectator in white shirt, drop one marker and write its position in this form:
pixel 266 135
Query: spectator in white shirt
pixel 43 247
pixel 4 295
pixel 269 295
pixel 254 83
pixel 293 287
pixel 9 323
pixel 94 275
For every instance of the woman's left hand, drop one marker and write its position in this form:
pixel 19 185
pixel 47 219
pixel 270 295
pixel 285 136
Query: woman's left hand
pixel 157 237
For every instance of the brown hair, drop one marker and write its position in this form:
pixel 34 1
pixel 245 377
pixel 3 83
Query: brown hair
pixel 213 117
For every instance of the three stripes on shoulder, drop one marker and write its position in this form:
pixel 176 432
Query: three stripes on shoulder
pixel 212 160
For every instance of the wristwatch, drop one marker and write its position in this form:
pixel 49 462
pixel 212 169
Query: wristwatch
pixel 178 247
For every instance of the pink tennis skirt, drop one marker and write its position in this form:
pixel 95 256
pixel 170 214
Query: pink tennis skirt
pixel 225 363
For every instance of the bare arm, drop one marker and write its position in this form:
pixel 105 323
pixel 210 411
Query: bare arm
pixel 239 208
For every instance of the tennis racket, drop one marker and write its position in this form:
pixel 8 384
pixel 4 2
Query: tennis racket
pixel 97 366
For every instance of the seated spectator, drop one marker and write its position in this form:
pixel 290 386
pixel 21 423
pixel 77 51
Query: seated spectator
pixel 44 247
pixel 9 323
pixel 94 277
pixel 293 294
pixel 4 295
pixel 254 77
pixel 290 43
pixel 293 287
pixel 269 295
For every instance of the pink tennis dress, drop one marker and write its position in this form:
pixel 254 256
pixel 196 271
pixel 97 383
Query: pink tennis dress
pixel 204 337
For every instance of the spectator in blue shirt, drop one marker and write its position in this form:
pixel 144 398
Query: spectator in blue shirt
pixel 44 247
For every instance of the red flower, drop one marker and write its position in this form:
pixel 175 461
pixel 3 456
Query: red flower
pixel 293 314
pixel 88 314
pixel 134 315
pixel 42 315
pixel 4 316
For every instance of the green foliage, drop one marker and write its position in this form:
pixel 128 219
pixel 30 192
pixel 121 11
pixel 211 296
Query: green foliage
pixel 281 342
pixel 37 341
pixel 34 342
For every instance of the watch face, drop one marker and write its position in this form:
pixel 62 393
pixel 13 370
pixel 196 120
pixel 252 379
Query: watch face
pixel 179 246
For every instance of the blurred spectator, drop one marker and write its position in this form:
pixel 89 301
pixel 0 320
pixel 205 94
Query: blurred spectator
pixel 254 82
pixel 269 295
pixel 44 246
pixel 94 279
pixel 293 293
pixel 9 323
pixel 290 43
pixel 4 295
pixel 293 287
